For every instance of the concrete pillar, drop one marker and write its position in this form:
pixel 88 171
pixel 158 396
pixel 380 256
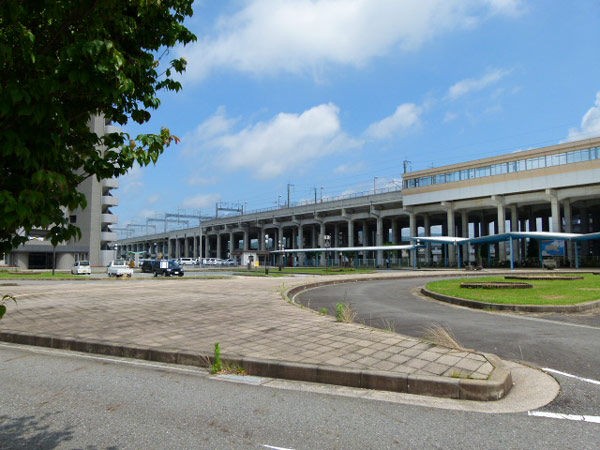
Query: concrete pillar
pixel 514 227
pixel 350 233
pixel 569 245
pixel 451 231
pixel 464 225
pixel 379 242
pixel 412 218
pixel 322 243
pixel 555 211
pixel 427 233
pixel 301 256
pixel 501 218
pixel 231 243
pixel 395 238
pixel 246 239
pixel 218 245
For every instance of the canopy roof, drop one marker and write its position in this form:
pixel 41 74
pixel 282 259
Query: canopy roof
pixel 540 235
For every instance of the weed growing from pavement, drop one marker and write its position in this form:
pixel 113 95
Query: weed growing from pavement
pixel 344 313
pixel 5 298
pixel 324 311
pixel 389 325
pixel 218 367
pixel 217 364
pixel 282 290
pixel 443 336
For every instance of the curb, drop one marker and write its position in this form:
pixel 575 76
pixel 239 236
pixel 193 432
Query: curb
pixel 509 307
pixel 496 387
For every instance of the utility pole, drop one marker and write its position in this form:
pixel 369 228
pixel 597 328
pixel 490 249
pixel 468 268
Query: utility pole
pixel 406 164
pixel 289 188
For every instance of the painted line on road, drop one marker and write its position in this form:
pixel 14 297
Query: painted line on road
pixel 558 372
pixel 592 419
pixel 276 448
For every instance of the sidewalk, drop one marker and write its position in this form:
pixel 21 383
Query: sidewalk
pixel 180 320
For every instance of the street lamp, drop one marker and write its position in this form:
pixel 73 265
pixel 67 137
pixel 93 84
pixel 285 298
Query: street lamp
pixel 327 245
pixel 280 247
pixel 267 254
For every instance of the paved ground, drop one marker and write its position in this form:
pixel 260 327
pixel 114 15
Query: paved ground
pixel 180 320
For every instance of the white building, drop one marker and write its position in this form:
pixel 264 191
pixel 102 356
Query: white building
pixel 97 243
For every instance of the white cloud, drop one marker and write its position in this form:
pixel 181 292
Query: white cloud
pixel 286 142
pixel 201 201
pixel 507 7
pixel 196 180
pixel 406 116
pixel 450 117
pixel 153 199
pixel 345 169
pixel 469 85
pixel 132 181
pixel 303 36
pixel 590 123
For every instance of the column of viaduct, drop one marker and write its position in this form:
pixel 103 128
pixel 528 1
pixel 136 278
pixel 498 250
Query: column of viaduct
pixel 554 195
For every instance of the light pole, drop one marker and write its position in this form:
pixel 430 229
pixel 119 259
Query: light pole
pixel 280 247
pixel 327 245
pixel 267 254
pixel 375 185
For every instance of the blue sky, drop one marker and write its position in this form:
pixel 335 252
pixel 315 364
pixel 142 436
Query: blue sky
pixel 332 96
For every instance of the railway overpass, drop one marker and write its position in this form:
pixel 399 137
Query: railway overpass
pixel 554 189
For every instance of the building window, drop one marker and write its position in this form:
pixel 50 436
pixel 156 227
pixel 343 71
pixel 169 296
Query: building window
pixel 73 218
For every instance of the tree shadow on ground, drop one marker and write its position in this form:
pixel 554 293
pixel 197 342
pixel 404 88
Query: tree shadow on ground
pixel 31 432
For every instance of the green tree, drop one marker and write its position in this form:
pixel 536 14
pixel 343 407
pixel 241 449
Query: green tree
pixel 61 62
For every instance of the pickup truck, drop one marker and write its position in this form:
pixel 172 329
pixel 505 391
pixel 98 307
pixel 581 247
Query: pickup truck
pixel 119 268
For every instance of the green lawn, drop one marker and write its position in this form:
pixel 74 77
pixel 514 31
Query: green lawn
pixel 9 275
pixel 544 292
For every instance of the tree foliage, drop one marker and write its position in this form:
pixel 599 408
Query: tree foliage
pixel 61 62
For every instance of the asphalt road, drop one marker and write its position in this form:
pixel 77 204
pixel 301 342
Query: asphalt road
pixel 568 343
pixel 61 400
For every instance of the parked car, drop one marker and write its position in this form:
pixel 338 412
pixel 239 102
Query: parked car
pixel 81 268
pixel 119 268
pixel 168 268
pixel 229 262
pixel 186 261
pixel 147 265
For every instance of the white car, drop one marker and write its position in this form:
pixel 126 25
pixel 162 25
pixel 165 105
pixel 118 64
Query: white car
pixel 186 261
pixel 81 268
pixel 119 268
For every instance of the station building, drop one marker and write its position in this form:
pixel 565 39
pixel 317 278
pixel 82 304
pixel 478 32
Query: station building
pixel 555 188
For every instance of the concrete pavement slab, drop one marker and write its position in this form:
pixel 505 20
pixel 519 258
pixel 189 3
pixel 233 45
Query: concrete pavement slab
pixel 180 320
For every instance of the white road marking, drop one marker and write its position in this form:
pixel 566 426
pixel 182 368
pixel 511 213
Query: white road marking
pixel 558 372
pixel 592 419
pixel 276 448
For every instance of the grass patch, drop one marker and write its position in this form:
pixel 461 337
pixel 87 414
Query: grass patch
pixel 10 275
pixel 544 292
pixel 344 313
pixel 440 335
